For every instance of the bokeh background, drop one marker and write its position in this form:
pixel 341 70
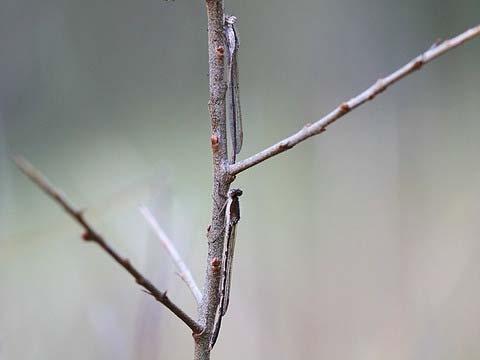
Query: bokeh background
pixel 362 243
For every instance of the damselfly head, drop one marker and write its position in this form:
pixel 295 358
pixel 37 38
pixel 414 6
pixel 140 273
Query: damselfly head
pixel 235 192
pixel 230 19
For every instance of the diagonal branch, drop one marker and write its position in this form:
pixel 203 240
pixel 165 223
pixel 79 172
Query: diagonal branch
pixel 381 85
pixel 91 235
pixel 184 271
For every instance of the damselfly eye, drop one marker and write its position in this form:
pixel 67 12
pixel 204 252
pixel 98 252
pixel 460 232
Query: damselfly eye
pixel 236 192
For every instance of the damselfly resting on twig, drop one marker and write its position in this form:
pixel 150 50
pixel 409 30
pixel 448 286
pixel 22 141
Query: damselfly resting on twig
pixel 232 216
pixel 233 96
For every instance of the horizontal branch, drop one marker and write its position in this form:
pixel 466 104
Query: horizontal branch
pixel 381 85
pixel 91 235
pixel 184 271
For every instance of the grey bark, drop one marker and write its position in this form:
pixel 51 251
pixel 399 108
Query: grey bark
pixel 221 177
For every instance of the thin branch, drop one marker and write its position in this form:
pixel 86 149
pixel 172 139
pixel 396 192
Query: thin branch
pixel 221 178
pixel 381 85
pixel 91 235
pixel 184 271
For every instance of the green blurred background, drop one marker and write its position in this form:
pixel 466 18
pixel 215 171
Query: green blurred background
pixel 362 243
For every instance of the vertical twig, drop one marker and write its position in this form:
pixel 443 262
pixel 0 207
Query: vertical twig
pixel 221 178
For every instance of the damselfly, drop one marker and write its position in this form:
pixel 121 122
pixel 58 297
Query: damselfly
pixel 233 97
pixel 232 217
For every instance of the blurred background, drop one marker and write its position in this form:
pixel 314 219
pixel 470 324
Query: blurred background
pixel 362 243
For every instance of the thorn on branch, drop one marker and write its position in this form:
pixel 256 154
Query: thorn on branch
pixel 147 292
pixel 436 43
